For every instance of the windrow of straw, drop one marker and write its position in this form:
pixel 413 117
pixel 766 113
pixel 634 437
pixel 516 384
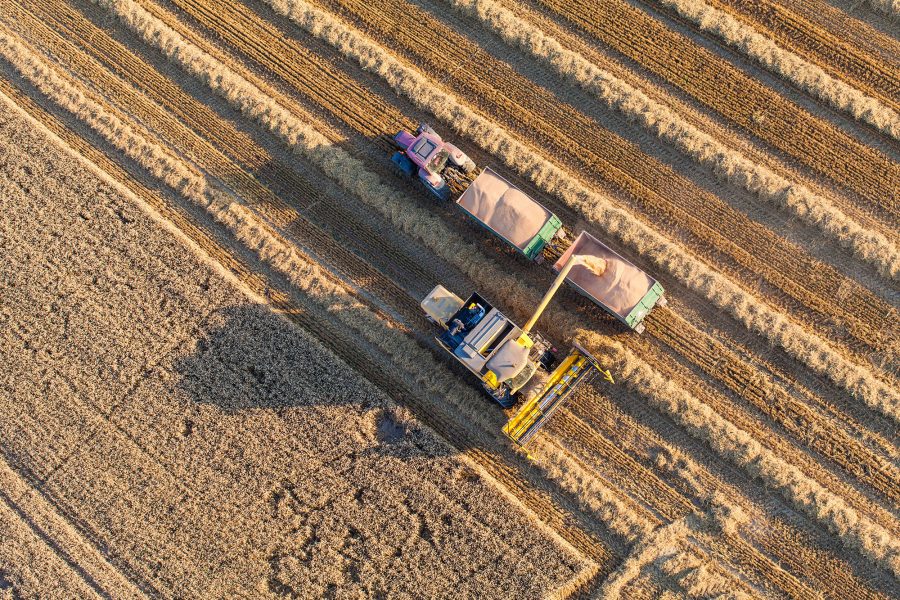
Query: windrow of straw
pixel 800 72
pixel 731 442
pixel 749 310
pixel 674 129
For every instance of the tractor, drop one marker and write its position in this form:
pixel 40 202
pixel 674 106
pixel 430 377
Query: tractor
pixel 434 161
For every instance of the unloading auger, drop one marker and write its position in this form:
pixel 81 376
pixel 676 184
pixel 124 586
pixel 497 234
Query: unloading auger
pixel 514 364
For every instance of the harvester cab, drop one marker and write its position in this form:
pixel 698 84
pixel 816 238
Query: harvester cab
pixel 513 364
pixel 434 161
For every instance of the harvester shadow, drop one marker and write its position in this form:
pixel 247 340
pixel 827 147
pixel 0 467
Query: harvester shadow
pixel 248 359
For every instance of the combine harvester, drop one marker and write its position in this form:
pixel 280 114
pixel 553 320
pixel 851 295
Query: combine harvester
pixel 511 362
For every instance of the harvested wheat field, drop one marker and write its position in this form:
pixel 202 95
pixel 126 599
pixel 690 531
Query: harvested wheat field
pixel 217 380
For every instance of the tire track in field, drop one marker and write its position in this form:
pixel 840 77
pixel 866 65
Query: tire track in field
pixel 737 97
pixel 338 338
pixel 820 46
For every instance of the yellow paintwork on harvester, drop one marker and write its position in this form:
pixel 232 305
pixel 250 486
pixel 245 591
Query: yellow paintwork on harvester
pixel 525 341
pixel 523 420
pixel 490 379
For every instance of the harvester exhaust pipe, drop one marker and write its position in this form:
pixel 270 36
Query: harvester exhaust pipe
pixel 595 264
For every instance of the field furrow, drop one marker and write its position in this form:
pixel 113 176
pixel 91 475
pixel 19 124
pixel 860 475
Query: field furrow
pixel 831 52
pixel 741 99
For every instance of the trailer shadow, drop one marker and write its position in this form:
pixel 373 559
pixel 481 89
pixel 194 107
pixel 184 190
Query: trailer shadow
pixel 249 358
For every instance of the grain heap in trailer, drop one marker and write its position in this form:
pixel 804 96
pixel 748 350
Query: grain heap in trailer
pixel 514 363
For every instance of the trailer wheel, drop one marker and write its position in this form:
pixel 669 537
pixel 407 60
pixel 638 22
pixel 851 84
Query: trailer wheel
pixel 663 301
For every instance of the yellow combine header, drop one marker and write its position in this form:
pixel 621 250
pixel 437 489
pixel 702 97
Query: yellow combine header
pixel 579 367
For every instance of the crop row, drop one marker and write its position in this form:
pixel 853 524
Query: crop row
pixel 795 69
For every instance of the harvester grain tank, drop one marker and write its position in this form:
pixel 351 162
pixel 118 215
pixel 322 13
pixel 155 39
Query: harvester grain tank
pixel 513 364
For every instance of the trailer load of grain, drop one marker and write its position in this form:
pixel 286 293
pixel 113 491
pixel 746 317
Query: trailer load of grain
pixel 509 212
pixel 621 288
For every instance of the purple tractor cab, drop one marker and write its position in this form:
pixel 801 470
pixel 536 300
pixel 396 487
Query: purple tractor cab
pixel 434 161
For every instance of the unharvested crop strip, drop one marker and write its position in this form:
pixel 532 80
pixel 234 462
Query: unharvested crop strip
pixel 306 275
pixel 732 443
pixel 795 69
pixel 747 309
pixel 674 129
